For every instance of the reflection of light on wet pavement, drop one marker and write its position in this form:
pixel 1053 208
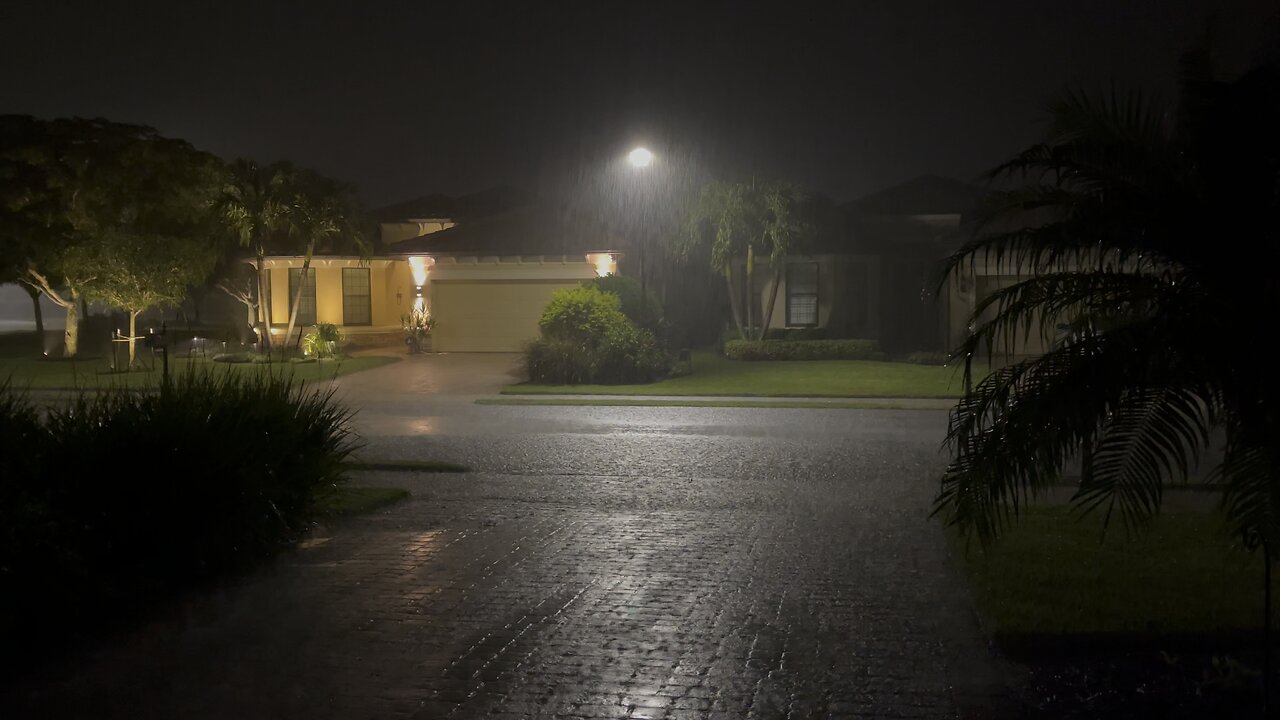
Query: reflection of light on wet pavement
pixel 423 545
pixel 422 426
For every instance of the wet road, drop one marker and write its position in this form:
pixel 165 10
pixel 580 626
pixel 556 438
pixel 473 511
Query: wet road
pixel 600 562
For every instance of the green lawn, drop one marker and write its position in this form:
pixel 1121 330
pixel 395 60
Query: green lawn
pixel 638 401
pixel 1055 575
pixel 357 500
pixel 714 375
pixel 37 374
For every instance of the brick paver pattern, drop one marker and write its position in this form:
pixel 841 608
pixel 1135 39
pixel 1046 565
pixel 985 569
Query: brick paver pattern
pixel 816 589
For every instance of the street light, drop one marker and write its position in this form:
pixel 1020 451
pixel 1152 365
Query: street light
pixel 641 158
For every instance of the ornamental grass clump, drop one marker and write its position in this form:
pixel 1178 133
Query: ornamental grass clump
pixel 118 498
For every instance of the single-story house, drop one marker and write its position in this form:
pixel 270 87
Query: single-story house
pixel 871 269
pixel 484 280
pixel 874 272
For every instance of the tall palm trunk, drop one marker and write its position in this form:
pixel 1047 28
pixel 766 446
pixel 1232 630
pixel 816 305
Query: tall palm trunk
pixel 749 300
pixel 768 310
pixel 35 309
pixel 264 305
pixel 733 302
pixel 297 300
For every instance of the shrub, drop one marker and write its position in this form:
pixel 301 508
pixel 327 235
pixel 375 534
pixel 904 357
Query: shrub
pixel 629 354
pixel 322 342
pixel 123 497
pixel 581 314
pixel 587 339
pixel 815 333
pixel 802 350
pixel 928 357
pixel 552 361
pixel 647 315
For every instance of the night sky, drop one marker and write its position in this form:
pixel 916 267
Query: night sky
pixel 405 99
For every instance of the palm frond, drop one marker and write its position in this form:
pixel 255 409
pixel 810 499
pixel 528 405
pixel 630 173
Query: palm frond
pixel 1039 304
pixel 1152 435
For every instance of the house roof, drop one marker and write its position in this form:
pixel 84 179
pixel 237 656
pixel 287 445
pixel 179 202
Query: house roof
pixel 532 229
pixel 454 207
pixel 925 195
pixel 912 217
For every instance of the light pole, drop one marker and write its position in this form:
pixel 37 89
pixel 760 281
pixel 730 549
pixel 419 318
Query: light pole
pixel 641 158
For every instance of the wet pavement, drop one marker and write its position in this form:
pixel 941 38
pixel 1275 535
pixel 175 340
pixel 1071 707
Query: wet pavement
pixel 601 562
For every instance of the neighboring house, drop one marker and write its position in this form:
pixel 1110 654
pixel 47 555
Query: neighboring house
pixel 872 270
pixel 483 273
pixel 876 273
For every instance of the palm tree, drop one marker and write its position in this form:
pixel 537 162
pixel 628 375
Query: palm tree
pixel 1152 236
pixel 252 208
pixel 740 220
pixel 320 212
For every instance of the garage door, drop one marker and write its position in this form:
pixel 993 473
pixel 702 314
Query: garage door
pixel 488 316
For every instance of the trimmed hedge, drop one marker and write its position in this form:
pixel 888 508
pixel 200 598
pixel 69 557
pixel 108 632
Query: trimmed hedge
pixel 802 350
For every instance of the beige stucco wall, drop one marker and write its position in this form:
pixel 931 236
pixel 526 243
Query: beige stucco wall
pixel 385 278
pixel 964 290
pixel 393 293
pixel 480 303
pixel 827 291
pixel 279 295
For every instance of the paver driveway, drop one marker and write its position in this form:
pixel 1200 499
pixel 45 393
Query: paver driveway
pixel 602 562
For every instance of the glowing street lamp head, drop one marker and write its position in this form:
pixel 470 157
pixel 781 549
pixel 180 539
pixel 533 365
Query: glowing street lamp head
pixel 640 157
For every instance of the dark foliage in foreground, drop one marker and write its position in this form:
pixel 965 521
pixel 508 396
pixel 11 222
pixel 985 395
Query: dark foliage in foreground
pixel 1153 237
pixel 121 498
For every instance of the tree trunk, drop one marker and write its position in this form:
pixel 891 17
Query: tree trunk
pixel 264 307
pixel 297 300
pixel 71 335
pixel 748 299
pixel 733 302
pixel 35 308
pixel 133 334
pixel 768 310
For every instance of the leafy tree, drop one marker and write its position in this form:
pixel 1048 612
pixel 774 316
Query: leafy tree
pixel 141 205
pixel 739 220
pixel 1152 235
pixel 239 281
pixel 58 182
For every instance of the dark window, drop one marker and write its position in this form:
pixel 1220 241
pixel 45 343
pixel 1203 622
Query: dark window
pixel 802 294
pixel 356 308
pixel 306 303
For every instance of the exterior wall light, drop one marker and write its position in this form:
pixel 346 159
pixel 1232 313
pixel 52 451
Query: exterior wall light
pixel 418 266
pixel 604 263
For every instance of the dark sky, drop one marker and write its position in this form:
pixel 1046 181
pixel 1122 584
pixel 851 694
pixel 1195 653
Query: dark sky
pixel 410 98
